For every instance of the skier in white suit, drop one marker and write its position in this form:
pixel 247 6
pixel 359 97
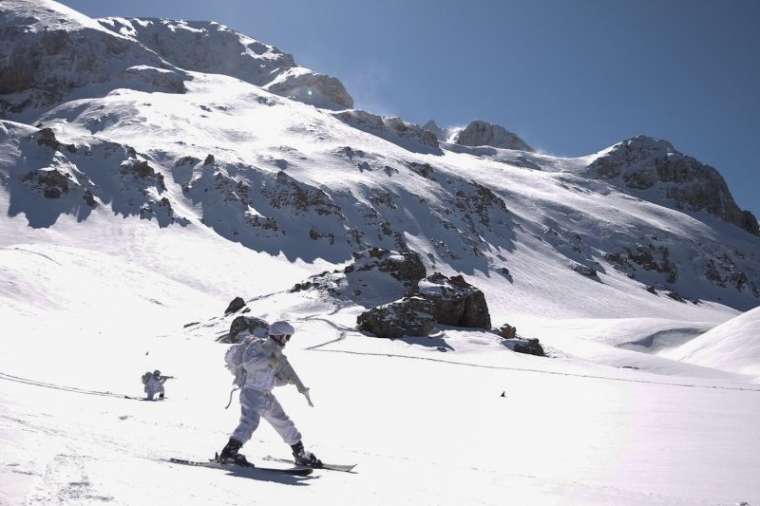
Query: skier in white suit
pixel 259 365
pixel 154 384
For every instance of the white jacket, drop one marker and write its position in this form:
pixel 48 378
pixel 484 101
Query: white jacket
pixel 266 367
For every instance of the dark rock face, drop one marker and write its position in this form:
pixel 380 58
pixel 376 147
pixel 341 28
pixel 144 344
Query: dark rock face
pixel 376 276
pixel 392 129
pixel 34 47
pixel 46 137
pixel 654 166
pixel 531 346
pixel 649 257
pixel 214 48
pixel 421 169
pixel 51 183
pixel 242 323
pixel 404 266
pixel 585 270
pixel 675 296
pixel 410 316
pixel 507 331
pixel 481 133
pixel 235 305
pixel 455 301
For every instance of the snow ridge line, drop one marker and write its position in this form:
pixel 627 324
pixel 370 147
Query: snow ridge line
pixel 27 381
pixel 539 371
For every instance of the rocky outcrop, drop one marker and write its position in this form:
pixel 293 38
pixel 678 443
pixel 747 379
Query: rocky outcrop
pixel 656 171
pixel 455 301
pixel 243 326
pixel 393 129
pixel 46 137
pixel 312 88
pixel 510 339
pixel 51 183
pixel 507 331
pixel 585 270
pixel 440 133
pixel 481 133
pixel 48 50
pixel 405 266
pixel 207 46
pixel 376 276
pixel 530 346
pixel 235 305
pixel 648 257
pixel 410 316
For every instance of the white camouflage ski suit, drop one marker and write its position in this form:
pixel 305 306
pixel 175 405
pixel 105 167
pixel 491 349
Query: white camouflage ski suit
pixel 154 386
pixel 265 367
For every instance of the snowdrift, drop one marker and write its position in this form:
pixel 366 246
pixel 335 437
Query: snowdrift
pixel 731 346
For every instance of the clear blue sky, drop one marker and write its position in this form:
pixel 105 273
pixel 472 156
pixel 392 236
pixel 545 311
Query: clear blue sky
pixel 569 76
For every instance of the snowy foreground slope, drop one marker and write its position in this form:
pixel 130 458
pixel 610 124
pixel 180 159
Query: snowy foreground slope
pixel 144 184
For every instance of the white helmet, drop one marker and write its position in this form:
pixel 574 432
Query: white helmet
pixel 281 332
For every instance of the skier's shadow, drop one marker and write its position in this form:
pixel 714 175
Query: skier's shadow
pixel 261 475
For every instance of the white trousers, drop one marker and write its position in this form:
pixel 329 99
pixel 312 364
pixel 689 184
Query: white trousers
pixel 254 405
pixel 152 389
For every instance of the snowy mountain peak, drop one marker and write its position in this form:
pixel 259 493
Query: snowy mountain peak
pixel 440 133
pixel 653 169
pixel 644 142
pixel 482 133
pixel 51 53
pixel 207 46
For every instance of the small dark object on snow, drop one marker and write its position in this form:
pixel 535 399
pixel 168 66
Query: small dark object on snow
pixel 236 305
pixel 530 346
pixel 504 394
pixel 507 331
pixel 585 270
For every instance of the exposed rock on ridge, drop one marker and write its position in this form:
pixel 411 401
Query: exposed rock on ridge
pixel 50 50
pixel 657 171
pixel 211 47
pixel 482 133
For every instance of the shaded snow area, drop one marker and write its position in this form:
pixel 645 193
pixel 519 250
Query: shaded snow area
pixel 153 170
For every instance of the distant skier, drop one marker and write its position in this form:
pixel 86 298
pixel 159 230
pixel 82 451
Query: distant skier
pixel 259 365
pixel 154 384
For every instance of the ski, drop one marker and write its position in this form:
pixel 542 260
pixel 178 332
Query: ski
pixel 345 468
pixel 212 464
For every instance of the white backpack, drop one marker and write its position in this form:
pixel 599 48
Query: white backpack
pixel 233 360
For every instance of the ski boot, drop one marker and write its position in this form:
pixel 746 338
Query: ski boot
pixel 230 454
pixel 304 458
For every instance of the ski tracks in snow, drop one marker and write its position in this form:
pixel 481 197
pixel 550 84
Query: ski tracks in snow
pixel 65 481
pixel 43 384
pixel 319 348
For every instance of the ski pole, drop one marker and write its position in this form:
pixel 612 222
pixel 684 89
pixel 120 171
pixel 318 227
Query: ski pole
pixel 229 403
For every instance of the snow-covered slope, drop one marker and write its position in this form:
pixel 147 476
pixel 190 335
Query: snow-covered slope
pixel 731 346
pixel 151 170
